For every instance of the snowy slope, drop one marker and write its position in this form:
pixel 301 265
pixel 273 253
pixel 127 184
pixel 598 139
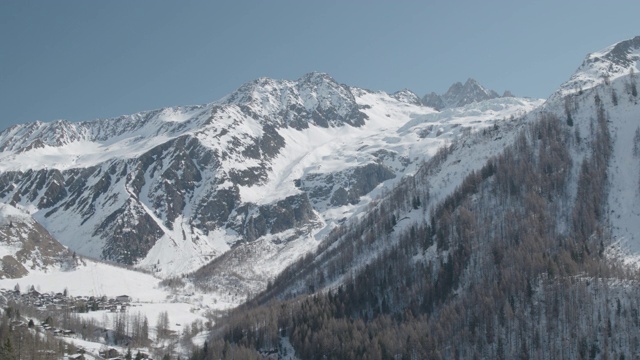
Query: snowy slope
pixel 63 145
pixel 603 66
pixel 398 136
pixel 25 246
pixel 473 134
pixel 611 76
pixel 624 170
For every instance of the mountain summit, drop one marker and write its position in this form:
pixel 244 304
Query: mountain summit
pixel 604 66
pixel 314 99
pixel 459 95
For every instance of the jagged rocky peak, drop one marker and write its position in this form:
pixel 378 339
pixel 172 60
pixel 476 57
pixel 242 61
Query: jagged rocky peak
pixel 39 134
pixel 603 66
pixel 317 78
pixel 407 96
pixel 262 88
pixel 624 53
pixel 249 91
pixel 468 93
pixel 459 94
pixel 433 100
pixel 315 98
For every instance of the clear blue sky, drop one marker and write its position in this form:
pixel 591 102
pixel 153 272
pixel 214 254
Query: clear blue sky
pixel 81 60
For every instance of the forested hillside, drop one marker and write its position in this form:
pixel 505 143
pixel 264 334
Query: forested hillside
pixel 512 264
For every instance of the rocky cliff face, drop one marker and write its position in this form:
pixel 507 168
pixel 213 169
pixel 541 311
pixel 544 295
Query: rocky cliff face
pixel 345 187
pixel 26 246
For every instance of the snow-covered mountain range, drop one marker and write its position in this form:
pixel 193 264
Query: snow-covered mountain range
pixel 276 163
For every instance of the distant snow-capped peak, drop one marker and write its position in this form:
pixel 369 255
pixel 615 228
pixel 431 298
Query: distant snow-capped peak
pixel 459 94
pixel 316 98
pixel 407 96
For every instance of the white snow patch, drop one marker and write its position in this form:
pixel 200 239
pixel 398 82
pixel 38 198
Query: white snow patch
pixel 94 279
pixel 10 213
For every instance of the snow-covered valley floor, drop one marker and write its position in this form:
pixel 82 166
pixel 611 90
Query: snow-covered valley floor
pixel 149 299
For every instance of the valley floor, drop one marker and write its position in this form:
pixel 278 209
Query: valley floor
pixel 187 314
